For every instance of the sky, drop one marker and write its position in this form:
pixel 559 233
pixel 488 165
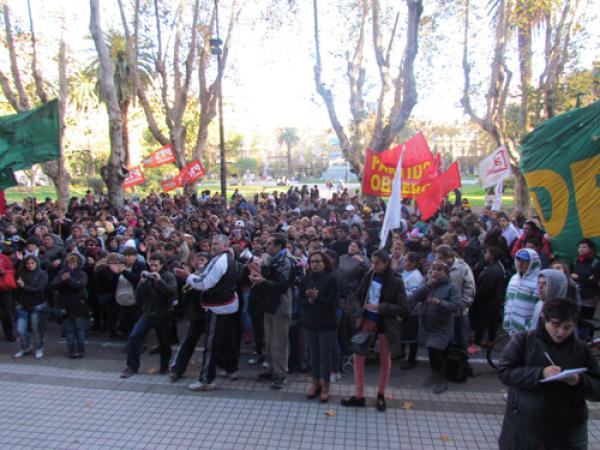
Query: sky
pixel 270 84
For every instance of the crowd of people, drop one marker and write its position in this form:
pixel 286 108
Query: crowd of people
pixel 300 278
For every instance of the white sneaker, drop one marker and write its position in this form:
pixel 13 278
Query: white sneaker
pixel 265 365
pixel 22 353
pixel 39 353
pixel 202 386
pixel 253 360
pixel 233 376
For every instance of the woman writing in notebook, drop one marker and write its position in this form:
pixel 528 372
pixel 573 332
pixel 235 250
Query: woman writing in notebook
pixel 548 415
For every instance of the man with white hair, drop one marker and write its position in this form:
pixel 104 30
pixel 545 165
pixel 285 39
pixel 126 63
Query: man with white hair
pixel 219 299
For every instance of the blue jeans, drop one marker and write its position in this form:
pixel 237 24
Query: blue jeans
pixel 75 333
pixel 141 328
pixel 36 316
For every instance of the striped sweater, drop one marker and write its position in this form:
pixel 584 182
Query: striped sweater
pixel 521 297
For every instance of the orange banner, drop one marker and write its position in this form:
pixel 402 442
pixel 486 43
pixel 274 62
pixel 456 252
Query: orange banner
pixel 172 183
pixel 192 172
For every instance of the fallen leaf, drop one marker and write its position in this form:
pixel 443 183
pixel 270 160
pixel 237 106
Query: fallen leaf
pixel 445 437
pixel 89 404
pixel 152 370
pixel 330 413
pixel 407 406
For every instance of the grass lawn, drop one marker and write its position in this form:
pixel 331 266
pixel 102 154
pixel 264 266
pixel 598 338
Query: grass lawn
pixel 475 194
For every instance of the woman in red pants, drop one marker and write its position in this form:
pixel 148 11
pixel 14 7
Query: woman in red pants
pixel 382 291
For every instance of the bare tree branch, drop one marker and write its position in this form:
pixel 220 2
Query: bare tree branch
pixel 401 110
pixel 23 103
pixel 39 81
pixel 8 92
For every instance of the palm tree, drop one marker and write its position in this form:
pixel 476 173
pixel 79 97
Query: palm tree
pixel 289 137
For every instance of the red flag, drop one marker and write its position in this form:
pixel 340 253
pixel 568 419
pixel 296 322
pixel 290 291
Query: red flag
pixel 191 172
pixel 163 155
pixel 452 178
pixel 429 201
pixel 418 168
pixel 172 183
pixel 2 203
pixel 134 177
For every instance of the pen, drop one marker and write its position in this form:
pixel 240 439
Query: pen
pixel 549 359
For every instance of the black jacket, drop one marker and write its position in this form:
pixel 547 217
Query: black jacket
pixel 156 297
pixel 275 291
pixel 490 288
pixel 72 294
pixel 551 413
pixel 392 303
pixel 33 293
pixel 319 315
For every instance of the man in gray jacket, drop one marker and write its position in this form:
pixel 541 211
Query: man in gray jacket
pixel 462 277
pixel 271 288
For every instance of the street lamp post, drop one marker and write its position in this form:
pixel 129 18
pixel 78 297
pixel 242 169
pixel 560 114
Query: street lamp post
pixel 215 49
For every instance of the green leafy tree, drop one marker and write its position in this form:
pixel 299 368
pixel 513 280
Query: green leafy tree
pixel 289 137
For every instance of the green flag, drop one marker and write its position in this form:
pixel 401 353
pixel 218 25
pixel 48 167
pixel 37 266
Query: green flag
pixel 561 163
pixel 7 178
pixel 30 137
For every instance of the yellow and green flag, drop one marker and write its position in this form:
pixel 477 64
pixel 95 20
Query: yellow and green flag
pixel 561 163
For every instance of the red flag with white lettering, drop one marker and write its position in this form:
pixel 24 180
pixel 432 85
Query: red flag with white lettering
pixel 134 177
pixel 192 172
pixel 172 183
pixel 157 158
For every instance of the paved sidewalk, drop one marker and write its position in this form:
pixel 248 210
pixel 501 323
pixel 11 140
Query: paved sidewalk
pixel 75 408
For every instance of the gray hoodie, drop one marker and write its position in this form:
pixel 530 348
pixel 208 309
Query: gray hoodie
pixel 556 286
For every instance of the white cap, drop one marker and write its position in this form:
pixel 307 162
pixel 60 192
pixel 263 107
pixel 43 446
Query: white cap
pixel 350 208
pixel 240 224
pixel 130 243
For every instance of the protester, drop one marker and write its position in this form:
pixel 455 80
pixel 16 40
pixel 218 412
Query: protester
pixel 486 311
pixel 70 282
pixel 318 303
pixel 384 299
pixel 521 294
pixel 272 288
pixel 219 299
pixel 551 284
pixel 31 300
pixel 413 282
pixel 441 301
pixel 155 293
pixel 550 415
pixel 585 270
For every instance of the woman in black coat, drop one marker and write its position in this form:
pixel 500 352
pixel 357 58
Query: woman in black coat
pixel 31 286
pixel 382 294
pixel 318 302
pixel 550 415
pixel 486 309
pixel 70 284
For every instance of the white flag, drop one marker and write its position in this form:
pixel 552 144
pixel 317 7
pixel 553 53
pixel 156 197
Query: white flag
pixel 393 213
pixel 497 204
pixel 495 168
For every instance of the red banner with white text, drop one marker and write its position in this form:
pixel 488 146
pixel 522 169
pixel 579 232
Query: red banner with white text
pixel 419 168
pixel 157 158
pixel 192 172
pixel 134 177
pixel 172 183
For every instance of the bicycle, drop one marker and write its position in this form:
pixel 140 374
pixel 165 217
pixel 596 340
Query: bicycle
pixel 496 349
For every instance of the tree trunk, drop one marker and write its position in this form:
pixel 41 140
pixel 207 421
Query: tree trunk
pixel 124 107
pixel 521 200
pixel 61 179
pixel 114 172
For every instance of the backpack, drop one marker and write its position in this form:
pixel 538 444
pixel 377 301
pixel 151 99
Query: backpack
pixel 125 295
pixel 457 364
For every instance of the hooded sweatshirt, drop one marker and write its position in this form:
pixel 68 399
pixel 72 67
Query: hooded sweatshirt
pixel 521 296
pixel 556 286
